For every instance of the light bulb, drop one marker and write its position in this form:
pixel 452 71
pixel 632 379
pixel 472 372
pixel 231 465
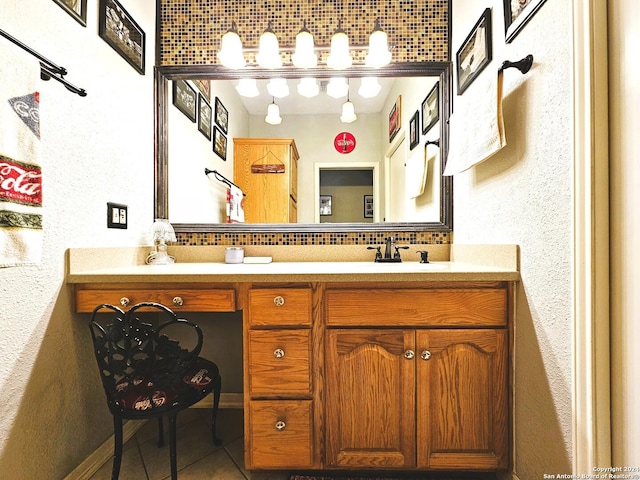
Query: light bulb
pixel 348 113
pixel 230 54
pixel 269 51
pixel 369 87
pixel 304 55
pixel 337 87
pixel 273 115
pixel 339 56
pixel 379 54
pixel 247 87
pixel 308 87
pixel 277 87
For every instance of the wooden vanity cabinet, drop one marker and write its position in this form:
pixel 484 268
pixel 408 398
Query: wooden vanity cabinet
pixel 416 379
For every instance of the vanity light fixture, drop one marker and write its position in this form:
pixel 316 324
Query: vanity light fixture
pixel 304 56
pixel 277 87
pixel 269 51
pixel 369 87
pixel 339 56
pixel 348 112
pixel 308 87
pixel 337 87
pixel 379 54
pixel 230 54
pixel 161 232
pixel 273 114
pixel 248 87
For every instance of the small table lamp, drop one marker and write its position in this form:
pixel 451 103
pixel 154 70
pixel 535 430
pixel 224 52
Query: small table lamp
pixel 162 232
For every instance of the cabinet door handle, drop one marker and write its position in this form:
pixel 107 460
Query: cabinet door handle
pixel 278 301
pixel 280 425
pixel 177 301
pixel 278 353
pixel 124 301
pixel 409 354
pixel 425 355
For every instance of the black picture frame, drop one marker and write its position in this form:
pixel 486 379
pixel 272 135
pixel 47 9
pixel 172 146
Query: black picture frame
pixel 514 21
pixel 395 118
pixel 475 53
pixel 414 132
pixel 204 116
pixel 122 33
pixel 76 8
pixel 431 109
pixel 368 206
pixel 219 143
pixel 185 98
pixel 222 116
pixel 326 205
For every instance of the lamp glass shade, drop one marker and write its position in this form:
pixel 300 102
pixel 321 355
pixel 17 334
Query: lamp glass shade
pixel 308 87
pixel 339 56
pixel 337 87
pixel 273 115
pixel 248 87
pixel 348 113
pixel 379 54
pixel 369 87
pixel 230 54
pixel 269 51
pixel 277 87
pixel 304 55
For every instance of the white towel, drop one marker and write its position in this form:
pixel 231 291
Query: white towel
pixel 20 173
pixel 416 173
pixel 235 207
pixel 477 126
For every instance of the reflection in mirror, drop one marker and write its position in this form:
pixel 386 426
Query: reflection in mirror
pixel 406 189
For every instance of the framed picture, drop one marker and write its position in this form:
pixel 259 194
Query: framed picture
pixel 118 29
pixel 368 206
pixel 395 118
pixel 222 116
pixel 76 8
pixel 219 143
pixel 325 205
pixel 516 14
pixel 431 109
pixel 475 53
pixel 185 98
pixel 414 133
pixel 205 88
pixel 204 116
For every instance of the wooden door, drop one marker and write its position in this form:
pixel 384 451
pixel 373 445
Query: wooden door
pixel 462 411
pixel 370 399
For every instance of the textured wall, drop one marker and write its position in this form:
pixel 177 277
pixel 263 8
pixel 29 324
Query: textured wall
pixel 94 150
pixel 523 195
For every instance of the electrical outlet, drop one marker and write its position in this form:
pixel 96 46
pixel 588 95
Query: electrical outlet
pixel 116 215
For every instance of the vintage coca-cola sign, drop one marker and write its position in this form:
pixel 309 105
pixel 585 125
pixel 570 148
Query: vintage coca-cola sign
pixel 344 142
pixel 20 182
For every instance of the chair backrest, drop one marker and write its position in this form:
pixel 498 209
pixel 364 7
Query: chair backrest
pixel 132 354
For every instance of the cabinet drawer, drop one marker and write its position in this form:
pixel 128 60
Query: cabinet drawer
pixel 421 307
pixel 186 300
pixel 280 434
pixel 280 307
pixel 279 363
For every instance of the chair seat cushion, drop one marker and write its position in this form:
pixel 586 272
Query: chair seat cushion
pixel 143 394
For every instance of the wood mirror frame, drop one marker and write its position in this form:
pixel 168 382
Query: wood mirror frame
pixel 164 74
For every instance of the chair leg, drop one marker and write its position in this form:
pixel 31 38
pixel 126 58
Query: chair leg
pixel 160 433
pixel 172 446
pixel 217 388
pixel 117 447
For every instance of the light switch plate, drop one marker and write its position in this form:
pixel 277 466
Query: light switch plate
pixel 117 215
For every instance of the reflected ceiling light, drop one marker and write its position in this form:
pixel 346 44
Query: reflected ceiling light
pixel 277 87
pixel 337 87
pixel 308 87
pixel 339 56
pixel 230 54
pixel 269 51
pixel 379 54
pixel 248 87
pixel 304 55
pixel 348 112
pixel 273 114
pixel 369 87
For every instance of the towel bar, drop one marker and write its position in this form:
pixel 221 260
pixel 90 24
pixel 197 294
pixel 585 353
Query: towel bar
pixel 523 65
pixel 223 179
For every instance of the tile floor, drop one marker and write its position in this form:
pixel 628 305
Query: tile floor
pixel 198 457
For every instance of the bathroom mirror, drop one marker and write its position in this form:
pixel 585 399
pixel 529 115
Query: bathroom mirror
pixel 439 71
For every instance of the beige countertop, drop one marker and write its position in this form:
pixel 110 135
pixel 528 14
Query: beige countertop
pixel 294 264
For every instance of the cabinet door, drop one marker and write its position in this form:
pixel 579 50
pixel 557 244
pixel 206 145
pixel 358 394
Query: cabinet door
pixel 370 399
pixel 462 411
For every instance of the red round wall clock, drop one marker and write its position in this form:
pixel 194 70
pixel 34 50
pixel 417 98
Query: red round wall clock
pixel 344 142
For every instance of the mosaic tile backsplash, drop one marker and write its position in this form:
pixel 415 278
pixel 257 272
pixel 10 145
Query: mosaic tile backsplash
pixel 190 30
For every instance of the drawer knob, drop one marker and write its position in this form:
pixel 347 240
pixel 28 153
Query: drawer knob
pixel 278 353
pixel 124 301
pixel 278 301
pixel 425 355
pixel 178 302
pixel 409 354
pixel 280 425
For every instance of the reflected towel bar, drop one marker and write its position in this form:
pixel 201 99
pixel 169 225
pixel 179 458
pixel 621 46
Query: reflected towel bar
pixel 223 179
pixel 432 142
pixel 48 69
pixel 523 65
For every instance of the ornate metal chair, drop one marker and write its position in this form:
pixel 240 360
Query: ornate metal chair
pixel 147 374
